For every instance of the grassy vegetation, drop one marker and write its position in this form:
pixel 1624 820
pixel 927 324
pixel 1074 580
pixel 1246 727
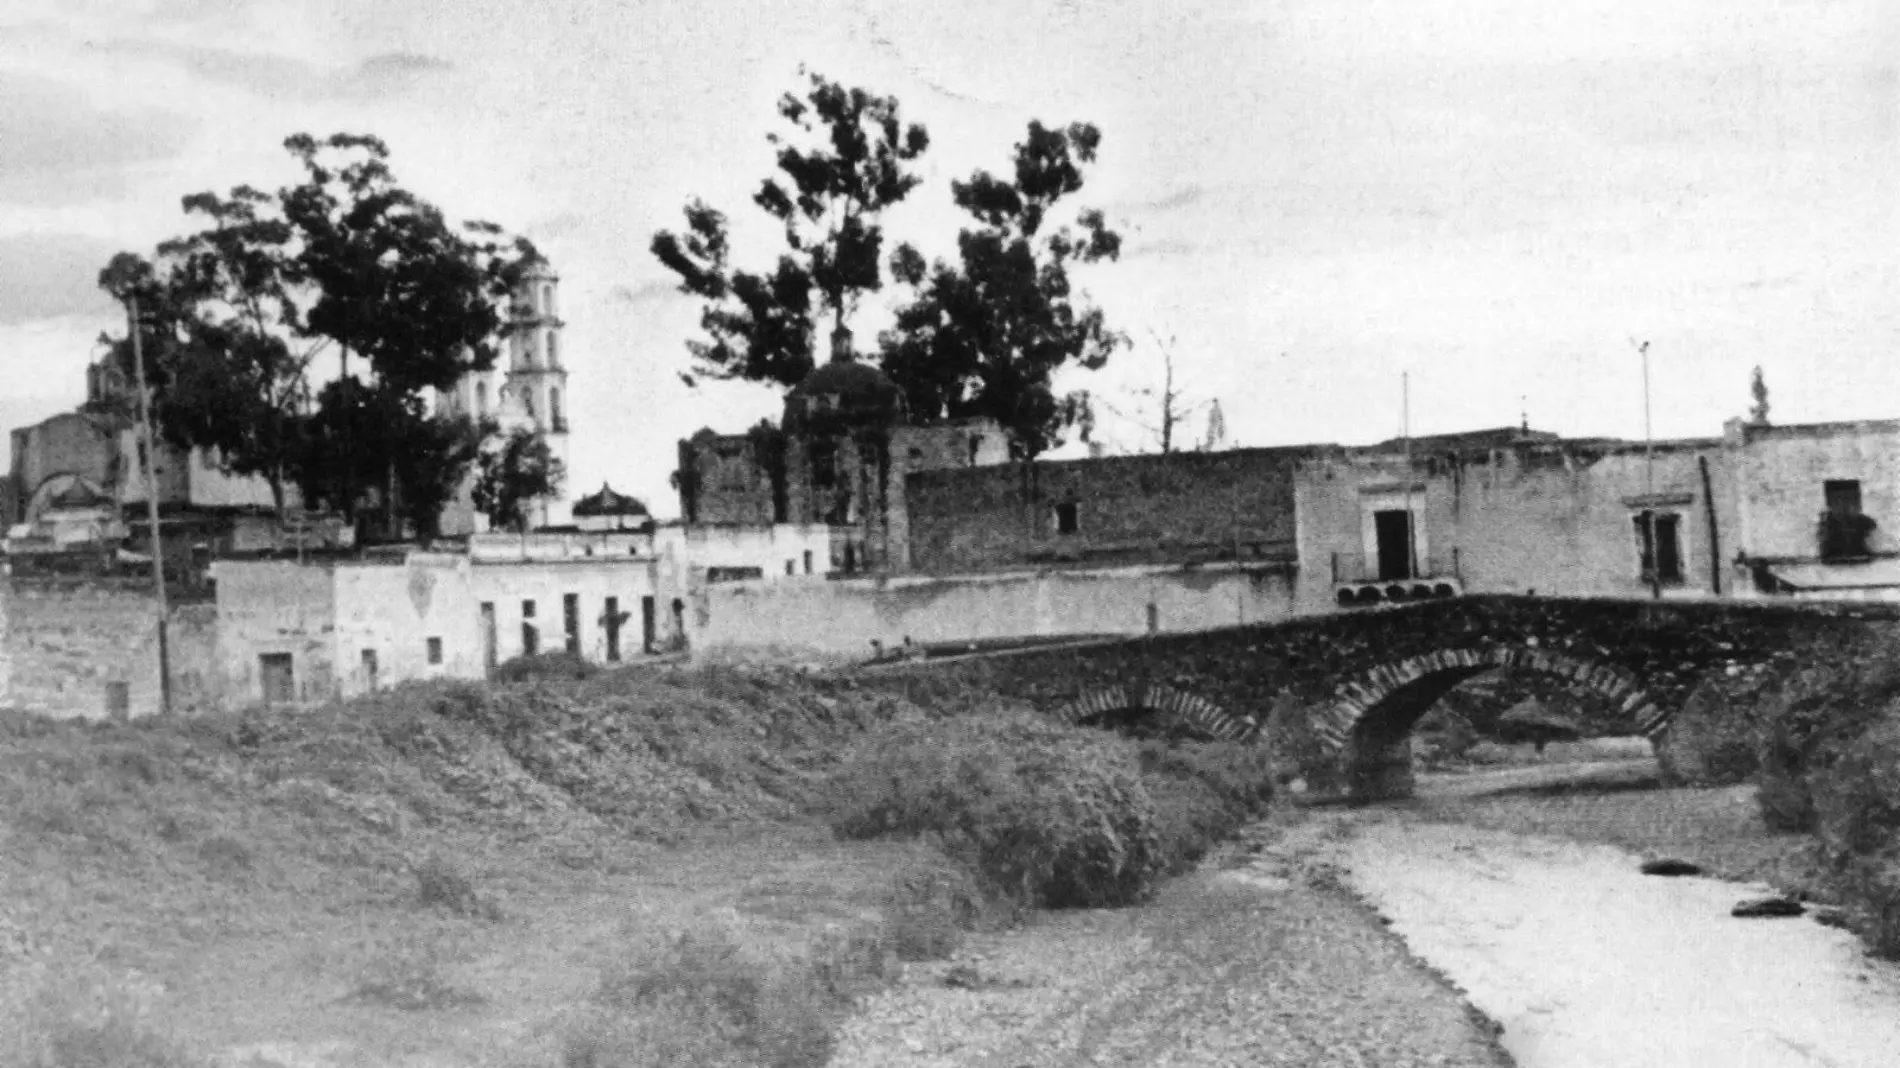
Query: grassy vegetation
pixel 438 835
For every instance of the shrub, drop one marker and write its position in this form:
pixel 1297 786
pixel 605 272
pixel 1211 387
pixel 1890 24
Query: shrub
pixel 929 909
pixel 1048 816
pixel 555 665
pixel 1203 792
pixel 701 1000
pixel 1856 801
pixel 1810 718
pixel 440 884
pixel 1716 738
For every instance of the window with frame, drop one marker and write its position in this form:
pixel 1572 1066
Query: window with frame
pixel 435 650
pixel 1659 546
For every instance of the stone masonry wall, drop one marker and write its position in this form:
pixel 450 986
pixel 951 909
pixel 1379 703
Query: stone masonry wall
pixel 1177 507
pixel 64 643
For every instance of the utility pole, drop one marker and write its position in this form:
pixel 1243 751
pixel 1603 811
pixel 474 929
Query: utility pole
pixel 1649 483
pixel 151 509
pixel 1405 431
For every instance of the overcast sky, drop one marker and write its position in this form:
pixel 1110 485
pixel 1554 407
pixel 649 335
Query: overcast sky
pixel 1317 195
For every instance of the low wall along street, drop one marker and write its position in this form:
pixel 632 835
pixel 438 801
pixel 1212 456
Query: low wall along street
pixel 840 619
pixel 89 648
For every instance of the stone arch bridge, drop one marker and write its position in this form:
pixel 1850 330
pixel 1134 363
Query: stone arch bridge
pixel 1351 685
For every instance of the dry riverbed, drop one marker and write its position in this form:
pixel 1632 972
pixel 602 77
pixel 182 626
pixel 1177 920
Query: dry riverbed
pixel 1259 959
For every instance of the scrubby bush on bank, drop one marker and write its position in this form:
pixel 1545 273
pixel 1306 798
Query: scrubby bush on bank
pixel 1810 717
pixel 1203 792
pixel 1048 815
pixel 1716 739
pixel 1857 816
pixel 702 1000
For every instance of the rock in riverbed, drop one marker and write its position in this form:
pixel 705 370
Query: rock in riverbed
pixel 1771 906
pixel 1670 866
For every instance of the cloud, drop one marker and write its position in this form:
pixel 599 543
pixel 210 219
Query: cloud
pixel 60 148
pixel 43 276
pixel 643 293
pixel 279 76
pixel 1180 197
pixel 1161 247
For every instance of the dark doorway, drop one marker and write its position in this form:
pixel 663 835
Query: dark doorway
pixel 571 621
pixel 530 637
pixel 1842 495
pixel 612 616
pixel 280 685
pixel 488 639
pixel 1393 529
pixel 646 624
pixel 369 669
pixel 679 622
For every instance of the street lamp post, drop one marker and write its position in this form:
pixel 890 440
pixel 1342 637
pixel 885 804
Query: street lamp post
pixel 151 508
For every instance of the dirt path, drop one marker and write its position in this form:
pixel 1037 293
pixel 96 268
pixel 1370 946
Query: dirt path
pixel 1587 962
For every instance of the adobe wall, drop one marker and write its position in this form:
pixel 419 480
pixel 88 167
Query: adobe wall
pixel 1550 522
pixel 1781 475
pixel 267 607
pixel 838 619
pixel 1177 507
pixel 64 641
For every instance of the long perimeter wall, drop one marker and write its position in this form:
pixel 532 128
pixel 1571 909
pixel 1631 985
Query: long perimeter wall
pixel 839 619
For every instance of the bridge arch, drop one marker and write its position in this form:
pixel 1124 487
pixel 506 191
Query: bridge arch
pixel 1196 712
pixel 1368 723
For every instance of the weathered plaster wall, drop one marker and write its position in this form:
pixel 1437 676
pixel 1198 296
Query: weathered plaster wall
pixel 64 643
pixel 507 586
pixel 392 610
pixel 269 607
pixel 69 443
pixel 1780 475
pixel 1182 506
pixel 1548 520
pixel 840 618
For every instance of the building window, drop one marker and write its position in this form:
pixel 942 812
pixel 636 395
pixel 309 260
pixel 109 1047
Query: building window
pixel 1659 546
pixel 571 621
pixel 554 410
pixel 435 650
pixel 1844 529
pixel 530 634
pixel 791 567
pixel 1066 522
pixel 554 349
pixel 527 402
pixel 369 668
pixel 807 561
pixel 547 299
pixel 278 676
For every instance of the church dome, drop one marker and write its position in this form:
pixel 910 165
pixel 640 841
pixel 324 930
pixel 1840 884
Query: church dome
pixel 844 394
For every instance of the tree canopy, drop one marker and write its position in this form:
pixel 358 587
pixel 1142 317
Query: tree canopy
pixel 985 334
pixel 235 313
pixel 845 161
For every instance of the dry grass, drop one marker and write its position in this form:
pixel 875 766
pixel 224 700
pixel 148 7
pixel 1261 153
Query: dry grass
pixel 1718 828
